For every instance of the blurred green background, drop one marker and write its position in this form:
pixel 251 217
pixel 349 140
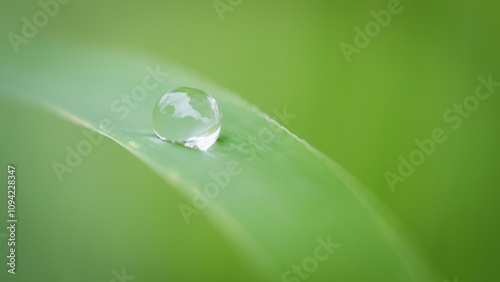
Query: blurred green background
pixel 362 114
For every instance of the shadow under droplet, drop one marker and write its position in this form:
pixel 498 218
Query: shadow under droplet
pixel 221 140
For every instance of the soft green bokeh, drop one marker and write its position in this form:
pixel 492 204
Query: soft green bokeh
pixel 363 114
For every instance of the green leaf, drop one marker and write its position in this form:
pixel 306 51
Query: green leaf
pixel 269 195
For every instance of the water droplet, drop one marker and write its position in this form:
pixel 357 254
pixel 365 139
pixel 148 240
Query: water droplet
pixel 187 116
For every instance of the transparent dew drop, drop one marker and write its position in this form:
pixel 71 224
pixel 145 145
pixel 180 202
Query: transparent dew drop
pixel 189 117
